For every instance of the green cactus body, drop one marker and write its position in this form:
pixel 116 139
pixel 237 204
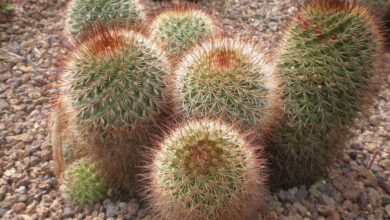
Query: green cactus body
pixel 178 27
pixel 228 78
pixel 83 184
pixel 328 62
pixel 205 170
pixel 115 89
pixel 82 14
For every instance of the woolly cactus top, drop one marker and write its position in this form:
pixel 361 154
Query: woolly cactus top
pixel 178 27
pixel 205 170
pixel 84 13
pixel 229 78
pixel 329 55
pixel 114 81
pixel 83 184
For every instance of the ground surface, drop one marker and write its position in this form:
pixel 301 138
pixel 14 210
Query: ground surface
pixel 30 46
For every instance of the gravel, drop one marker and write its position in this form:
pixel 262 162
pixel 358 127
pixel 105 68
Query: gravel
pixel 31 47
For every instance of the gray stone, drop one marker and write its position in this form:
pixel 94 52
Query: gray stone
pixel 4 104
pixel 329 202
pixel 324 210
pixel 23 198
pixel 387 209
pixel 301 194
pixel 68 212
pixel 122 208
pixel 133 207
pixel 363 200
pixel 111 209
pixel 39 81
pixel 5 76
pixel 2 211
pixel 286 196
pixel 374 197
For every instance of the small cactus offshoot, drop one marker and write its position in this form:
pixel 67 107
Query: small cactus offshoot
pixel 228 78
pixel 83 14
pixel 329 62
pixel 83 183
pixel 179 27
pixel 205 170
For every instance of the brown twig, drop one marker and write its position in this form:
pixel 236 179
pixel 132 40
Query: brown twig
pixel 372 160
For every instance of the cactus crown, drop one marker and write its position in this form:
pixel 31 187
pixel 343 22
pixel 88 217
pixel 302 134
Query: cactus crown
pixel 204 170
pixel 229 78
pixel 178 27
pixel 83 183
pixel 115 80
pixel 84 13
pixel 328 58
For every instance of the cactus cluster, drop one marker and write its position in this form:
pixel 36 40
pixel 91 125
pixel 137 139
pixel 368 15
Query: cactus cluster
pixel 115 89
pixel 205 170
pixel 328 62
pixel 83 14
pixel 83 183
pixel 177 28
pixel 229 78
pixel 119 87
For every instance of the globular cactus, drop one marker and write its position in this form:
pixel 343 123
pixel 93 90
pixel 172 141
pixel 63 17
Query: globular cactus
pixel 205 170
pixel 228 78
pixel 329 62
pixel 178 27
pixel 83 183
pixel 115 89
pixel 83 14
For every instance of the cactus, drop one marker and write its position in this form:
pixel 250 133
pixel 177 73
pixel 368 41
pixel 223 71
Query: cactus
pixel 178 27
pixel 205 170
pixel 115 90
pixel 229 78
pixel 329 61
pixel 82 14
pixel 83 184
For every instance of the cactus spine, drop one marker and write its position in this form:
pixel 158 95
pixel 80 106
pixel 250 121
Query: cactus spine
pixel 328 62
pixel 229 78
pixel 205 170
pixel 115 90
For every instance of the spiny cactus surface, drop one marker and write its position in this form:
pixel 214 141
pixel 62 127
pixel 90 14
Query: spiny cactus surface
pixel 83 184
pixel 328 63
pixel 179 27
pixel 82 14
pixel 205 170
pixel 115 90
pixel 229 78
